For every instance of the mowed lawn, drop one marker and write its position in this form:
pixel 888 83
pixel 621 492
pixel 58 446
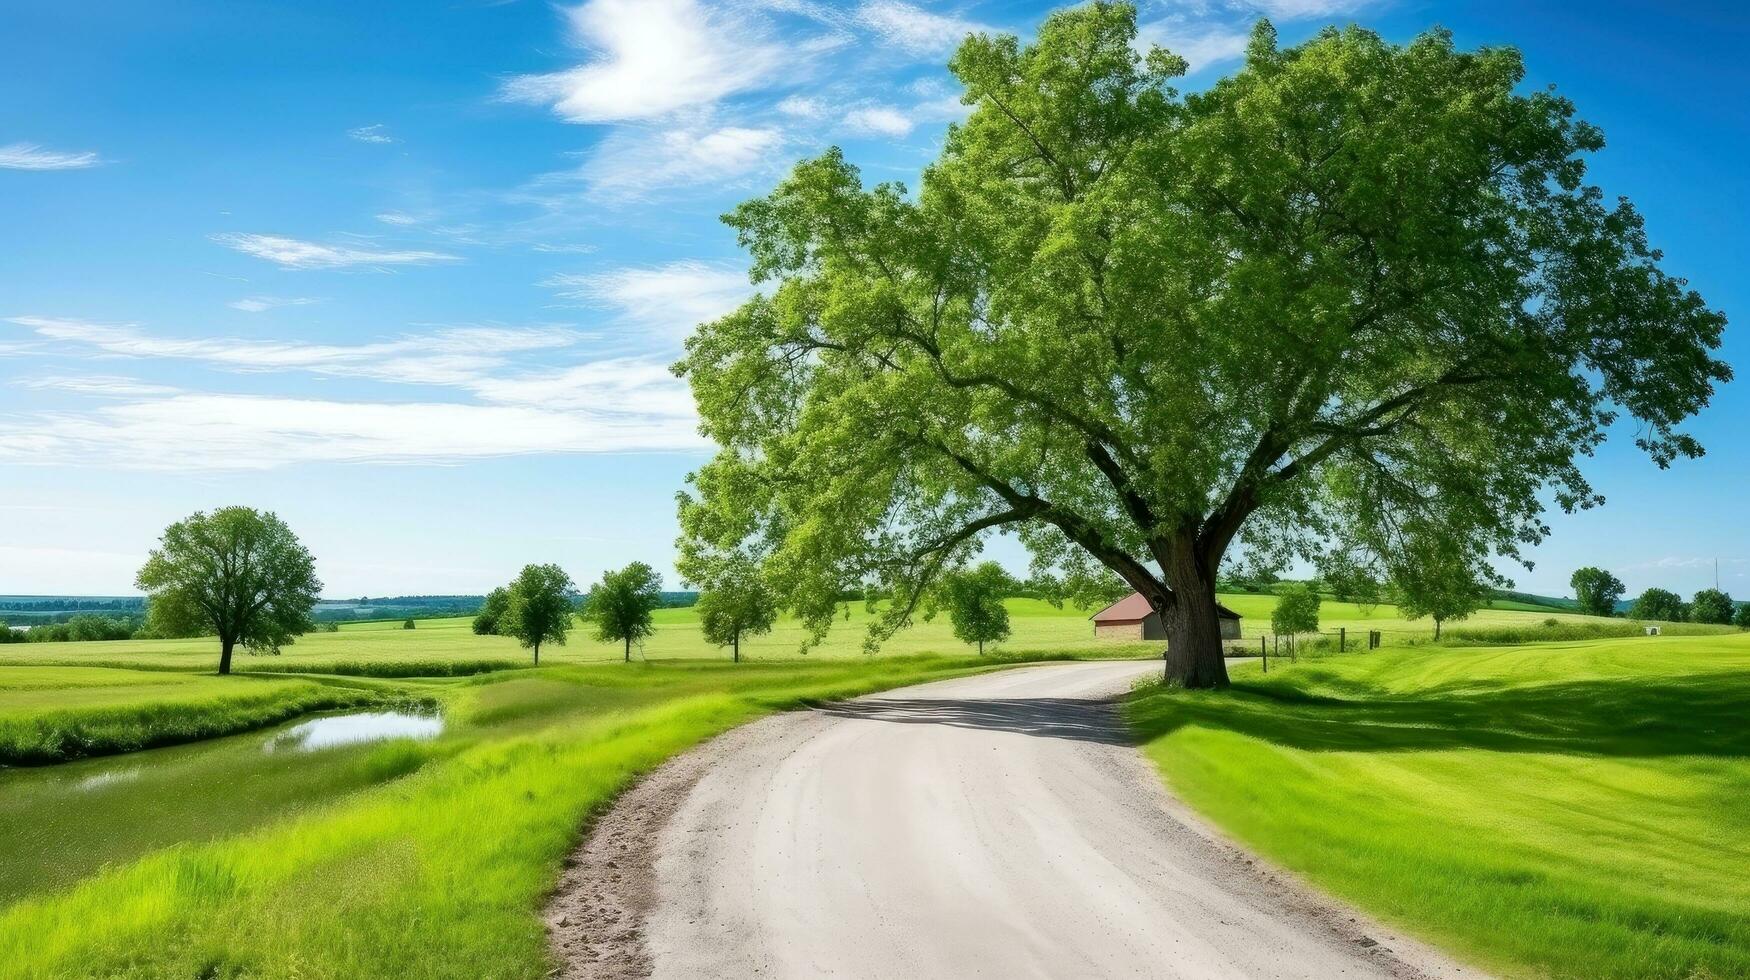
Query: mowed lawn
pixel 1570 809
pixel 415 860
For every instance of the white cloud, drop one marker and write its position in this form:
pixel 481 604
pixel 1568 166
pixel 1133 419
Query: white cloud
pixel 633 164
pixel 802 107
pixel 652 57
pixel 374 133
pixel 667 301
pixel 914 29
pixel 30 156
pixel 292 253
pixel 879 120
pixel 228 432
pixel 1297 9
pixel 400 218
pixel 1201 45
pixel 261 304
pixel 451 356
pixel 106 385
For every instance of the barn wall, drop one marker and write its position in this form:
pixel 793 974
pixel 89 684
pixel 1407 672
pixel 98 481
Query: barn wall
pixel 1118 631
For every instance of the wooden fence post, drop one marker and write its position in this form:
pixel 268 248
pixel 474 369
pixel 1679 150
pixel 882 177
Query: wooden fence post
pixel 1342 638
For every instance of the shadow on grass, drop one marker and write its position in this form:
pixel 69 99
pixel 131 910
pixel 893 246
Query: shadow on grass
pixel 1069 718
pixel 1706 715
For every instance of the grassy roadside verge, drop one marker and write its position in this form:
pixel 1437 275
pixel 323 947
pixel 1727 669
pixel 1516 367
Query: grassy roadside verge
pixel 1564 809
pixel 436 874
pixel 53 714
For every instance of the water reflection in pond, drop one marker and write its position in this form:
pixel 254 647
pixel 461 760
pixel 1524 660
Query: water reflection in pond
pixel 369 726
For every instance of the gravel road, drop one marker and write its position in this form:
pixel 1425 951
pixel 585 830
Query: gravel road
pixel 990 826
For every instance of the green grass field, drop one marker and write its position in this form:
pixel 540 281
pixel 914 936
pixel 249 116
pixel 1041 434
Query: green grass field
pixel 1570 809
pixel 454 841
pixel 50 714
pixel 448 645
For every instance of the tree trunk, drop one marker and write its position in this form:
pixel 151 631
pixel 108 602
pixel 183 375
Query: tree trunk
pixel 981 648
pixel 1193 630
pixel 1436 630
pixel 735 645
pixel 225 647
pixel 628 649
pixel 537 653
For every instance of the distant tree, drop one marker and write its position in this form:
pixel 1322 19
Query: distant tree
pixel 1596 590
pixel 1297 610
pixel 974 599
pixel 491 611
pixel 1742 618
pixel 407 625
pixel 1658 604
pixel 621 603
pixel 735 602
pixel 539 607
pixel 1711 606
pixel 1352 580
pixel 1438 583
pixel 237 573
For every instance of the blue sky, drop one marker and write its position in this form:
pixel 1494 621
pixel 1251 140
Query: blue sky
pixel 410 274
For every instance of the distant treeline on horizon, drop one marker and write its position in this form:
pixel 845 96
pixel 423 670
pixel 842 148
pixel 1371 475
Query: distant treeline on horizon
pixel 26 610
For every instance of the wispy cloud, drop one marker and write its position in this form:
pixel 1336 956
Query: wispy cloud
pixel 113 386
pixel 261 304
pixel 30 156
pixel 1200 44
pixel 665 301
pixel 374 133
pixel 228 432
pixel 454 356
pixel 635 163
pixel 653 57
pixel 879 120
pixel 914 29
pixel 292 253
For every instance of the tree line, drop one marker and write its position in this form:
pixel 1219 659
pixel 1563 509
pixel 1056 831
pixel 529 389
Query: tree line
pixel 1598 592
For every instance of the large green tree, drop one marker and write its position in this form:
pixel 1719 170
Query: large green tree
pixel 1596 590
pixel 236 573
pixel 1355 294
pixel 539 606
pixel 621 605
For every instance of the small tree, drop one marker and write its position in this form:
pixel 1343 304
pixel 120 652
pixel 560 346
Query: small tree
pixel 1711 606
pixel 491 611
pixel 407 625
pixel 1658 604
pixel 237 573
pixel 539 606
pixel 1596 590
pixel 1297 610
pixel 735 603
pixel 621 604
pixel 1436 583
pixel 974 598
pixel 1742 618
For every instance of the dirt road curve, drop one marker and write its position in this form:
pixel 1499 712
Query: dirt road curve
pixel 993 826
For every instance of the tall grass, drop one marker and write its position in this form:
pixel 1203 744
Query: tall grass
pixel 438 874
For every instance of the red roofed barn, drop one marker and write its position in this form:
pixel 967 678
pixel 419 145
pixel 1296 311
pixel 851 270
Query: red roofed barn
pixel 1131 618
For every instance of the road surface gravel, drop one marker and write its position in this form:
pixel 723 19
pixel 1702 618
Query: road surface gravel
pixel 1000 825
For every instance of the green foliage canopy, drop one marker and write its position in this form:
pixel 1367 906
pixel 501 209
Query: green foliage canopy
pixel 1596 590
pixel 1356 292
pixel 974 600
pixel 237 573
pixel 734 602
pixel 1297 610
pixel 539 606
pixel 1711 606
pixel 621 604
pixel 1659 604
pixel 491 611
